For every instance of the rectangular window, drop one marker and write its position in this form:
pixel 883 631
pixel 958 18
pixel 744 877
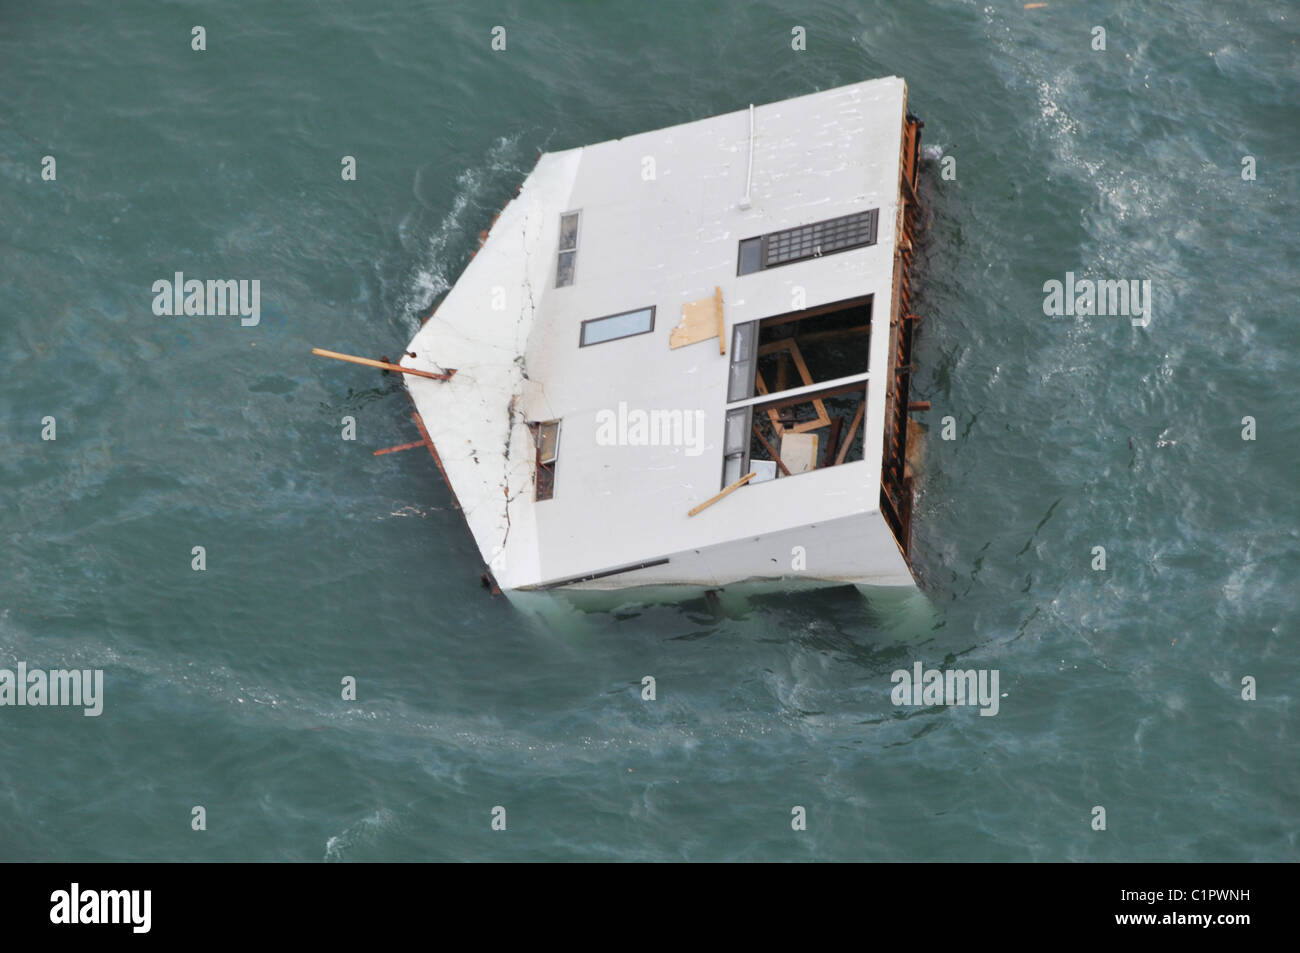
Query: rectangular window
pixel 735 445
pixel 796 391
pixel 807 241
pixel 615 326
pixel 800 349
pixel 547 436
pixel 786 436
pixel 751 255
pixel 744 357
pixel 568 251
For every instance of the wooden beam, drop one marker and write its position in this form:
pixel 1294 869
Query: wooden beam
pixel 405 446
pixel 722 325
pixel 848 437
pixel 918 405
pixel 832 441
pixel 726 490
pixel 822 419
pixel 911 192
pixel 767 445
pixel 382 365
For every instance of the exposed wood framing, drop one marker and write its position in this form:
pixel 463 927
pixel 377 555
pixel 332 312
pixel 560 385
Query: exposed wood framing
pixel 896 481
pixel 854 424
pixel 771 450
pixel 822 419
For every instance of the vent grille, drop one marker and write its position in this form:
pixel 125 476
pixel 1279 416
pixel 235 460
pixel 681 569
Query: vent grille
pixel 807 241
pixel 820 238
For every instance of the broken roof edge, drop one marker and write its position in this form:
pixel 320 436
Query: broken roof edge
pixel 880 82
pixel 481 440
pixel 883 317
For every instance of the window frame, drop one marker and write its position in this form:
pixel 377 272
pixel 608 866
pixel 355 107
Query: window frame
pixel 582 330
pixel 549 465
pixel 561 251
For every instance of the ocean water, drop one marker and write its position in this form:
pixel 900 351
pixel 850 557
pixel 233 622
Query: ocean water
pixel 1123 687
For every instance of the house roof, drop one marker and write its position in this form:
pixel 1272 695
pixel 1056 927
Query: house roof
pixel 660 223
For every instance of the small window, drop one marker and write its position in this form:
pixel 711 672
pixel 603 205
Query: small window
pixel 568 250
pixel 615 326
pixel 547 436
pixel 744 358
pixel 735 444
pixel 569 231
pixel 564 269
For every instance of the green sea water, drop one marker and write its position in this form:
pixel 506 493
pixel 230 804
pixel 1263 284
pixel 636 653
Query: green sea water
pixel 1123 687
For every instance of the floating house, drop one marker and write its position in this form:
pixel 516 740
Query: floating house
pixel 681 358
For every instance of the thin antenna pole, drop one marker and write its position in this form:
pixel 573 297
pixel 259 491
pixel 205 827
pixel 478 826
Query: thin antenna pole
pixel 749 176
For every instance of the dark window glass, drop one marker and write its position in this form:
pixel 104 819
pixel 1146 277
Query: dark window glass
pixel 569 231
pixel 751 256
pixel 564 269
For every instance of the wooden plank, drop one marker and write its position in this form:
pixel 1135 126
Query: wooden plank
pixel 382 365
pixel 722 325
pixel 767 445
pixel 405 446
pixel 726 490
pixel 699 323
pixel 852 431
pixel 833 441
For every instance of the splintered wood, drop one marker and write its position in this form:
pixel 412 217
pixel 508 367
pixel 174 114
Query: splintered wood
pixel 701 320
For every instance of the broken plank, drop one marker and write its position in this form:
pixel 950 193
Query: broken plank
pixel 849 434
pixel 725 491
pixel 405 446
pixel 382 365
pixel 767 445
